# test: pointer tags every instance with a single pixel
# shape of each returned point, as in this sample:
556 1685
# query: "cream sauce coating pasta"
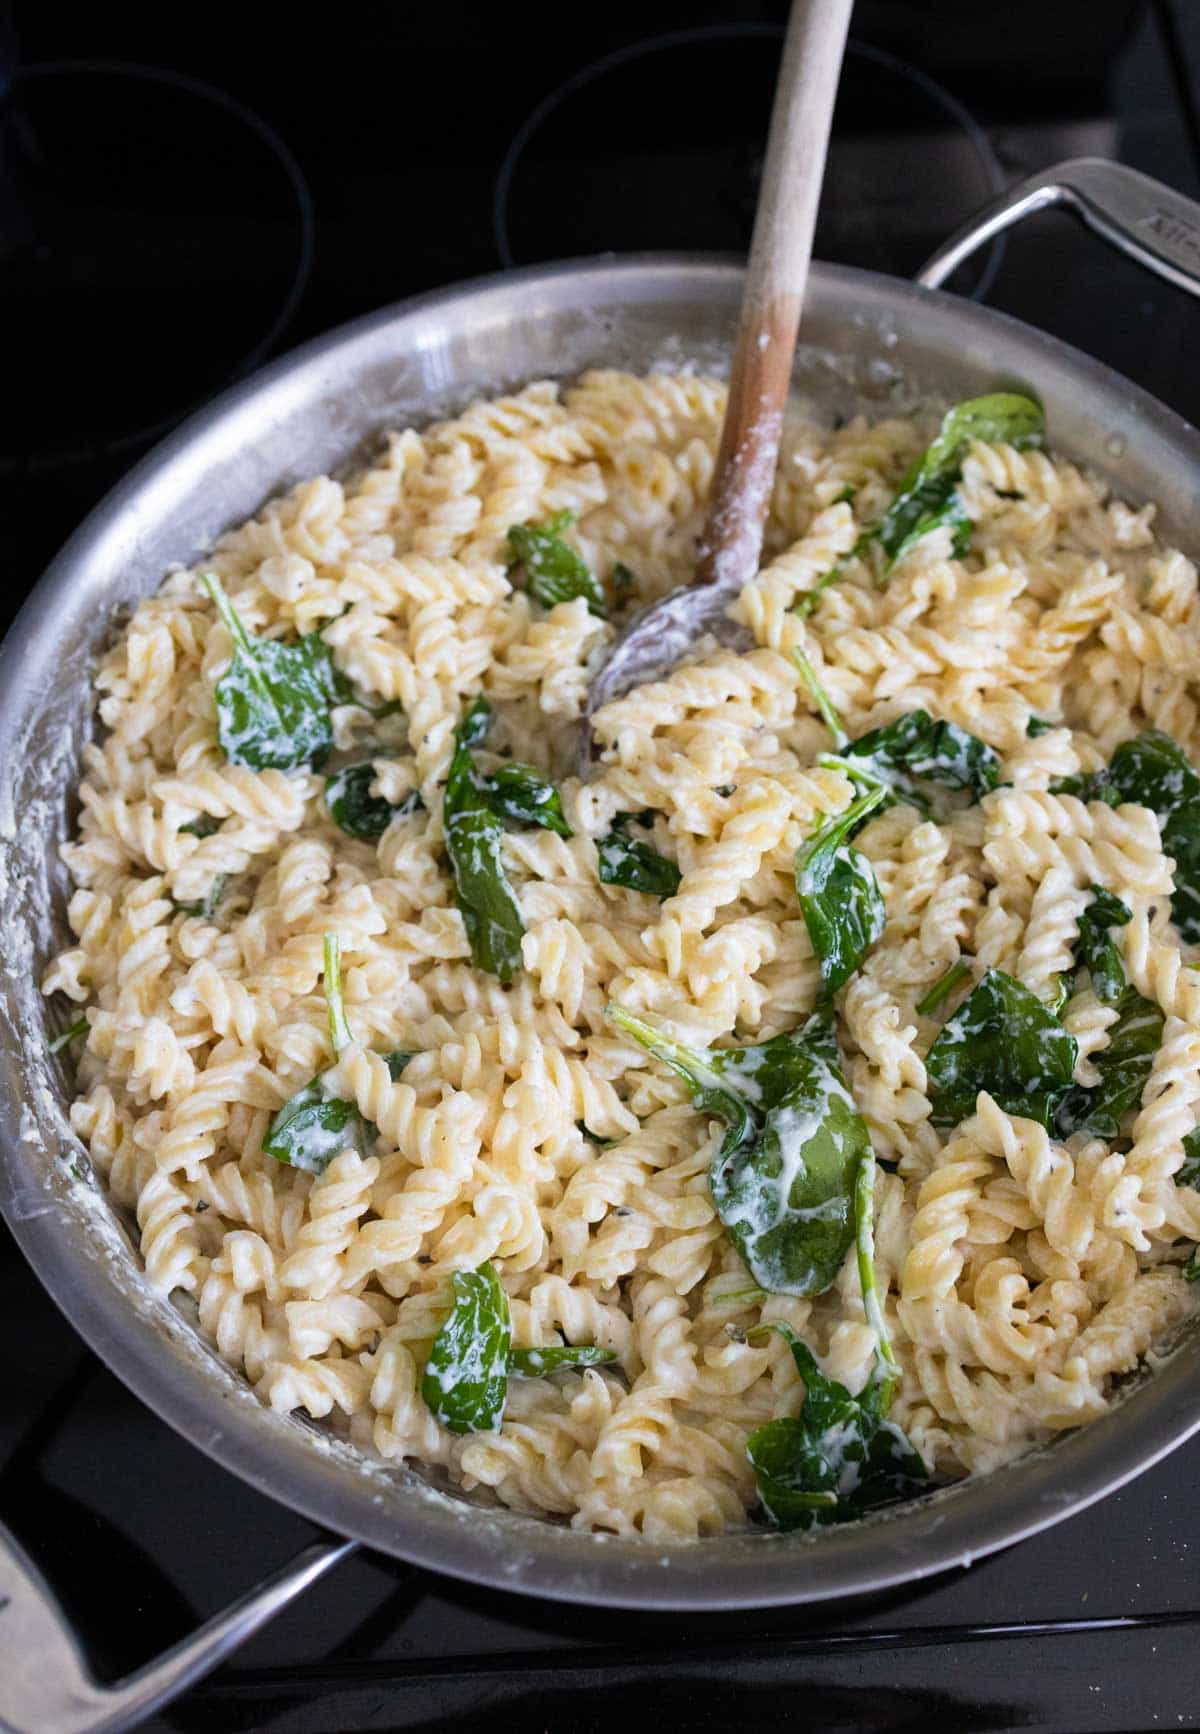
1020 1275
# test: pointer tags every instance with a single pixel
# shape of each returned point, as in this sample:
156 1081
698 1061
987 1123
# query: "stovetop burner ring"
990 175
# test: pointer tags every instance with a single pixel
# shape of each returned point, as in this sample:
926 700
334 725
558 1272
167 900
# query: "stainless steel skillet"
870 343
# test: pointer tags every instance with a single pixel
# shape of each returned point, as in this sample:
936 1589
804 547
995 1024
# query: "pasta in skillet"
469 1144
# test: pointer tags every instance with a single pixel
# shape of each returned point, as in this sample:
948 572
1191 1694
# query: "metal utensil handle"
46 1686
1153 224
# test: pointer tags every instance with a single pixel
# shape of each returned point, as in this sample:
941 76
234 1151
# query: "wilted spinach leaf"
465 1385
1088 786
920 508
839 894
633 865
312 1127
474 808
355 810
554 572
1038 725
474 833
204 826
1095 950
1154 771
1124 1065
841 1457
915 749
783 1178
536 1363
473 730
928 495
518 792
466 1375
274 700
902 755
1002 1039
1189 1173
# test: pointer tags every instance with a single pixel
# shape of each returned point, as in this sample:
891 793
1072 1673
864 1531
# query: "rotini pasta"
1021 1267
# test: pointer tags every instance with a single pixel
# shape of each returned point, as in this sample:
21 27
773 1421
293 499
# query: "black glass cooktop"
186 192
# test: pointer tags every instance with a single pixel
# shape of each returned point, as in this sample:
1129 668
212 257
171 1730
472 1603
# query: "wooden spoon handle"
774 292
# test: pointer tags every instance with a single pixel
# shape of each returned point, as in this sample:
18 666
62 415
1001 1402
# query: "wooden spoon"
762 361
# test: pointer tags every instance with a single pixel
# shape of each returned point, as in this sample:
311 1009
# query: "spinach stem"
340 1033
945 984
864 1235
236 627
70 1034
690 1063
807 601
754 1294
844 821
234 623
821 699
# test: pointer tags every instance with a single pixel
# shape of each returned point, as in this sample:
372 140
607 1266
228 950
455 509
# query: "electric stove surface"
182 198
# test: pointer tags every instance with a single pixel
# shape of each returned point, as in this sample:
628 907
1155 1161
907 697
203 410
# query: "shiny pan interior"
869 343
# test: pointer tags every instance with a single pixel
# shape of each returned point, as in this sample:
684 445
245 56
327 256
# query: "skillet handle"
1139 216
46 1686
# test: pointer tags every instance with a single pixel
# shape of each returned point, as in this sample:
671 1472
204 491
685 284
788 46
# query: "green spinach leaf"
554 572
355 810
1088 786
841 1457
915 749
274 700
1095 950
919 509
928 495
465 1384
783 1178
902 755
204 826
1002 1039
1189 1173
839 894
466 1375
475 726
1154 771
474 834
1124 1065
536 1363
1038 725
518 792
312 1127
633 865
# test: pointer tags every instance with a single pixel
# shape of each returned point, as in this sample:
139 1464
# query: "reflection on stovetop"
400 129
